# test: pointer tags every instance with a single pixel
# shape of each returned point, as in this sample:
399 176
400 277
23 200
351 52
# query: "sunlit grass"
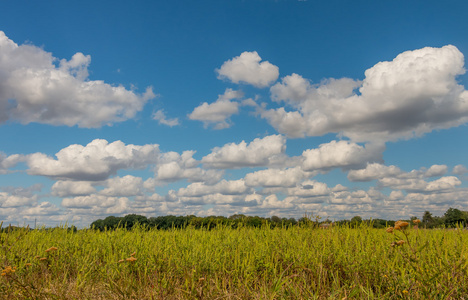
242 263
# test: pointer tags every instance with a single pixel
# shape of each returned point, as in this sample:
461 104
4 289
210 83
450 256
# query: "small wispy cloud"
160 116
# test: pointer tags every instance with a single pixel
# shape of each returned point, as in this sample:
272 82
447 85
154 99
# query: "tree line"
451 218
170 221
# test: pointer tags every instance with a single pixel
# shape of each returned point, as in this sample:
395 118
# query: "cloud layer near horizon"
85 178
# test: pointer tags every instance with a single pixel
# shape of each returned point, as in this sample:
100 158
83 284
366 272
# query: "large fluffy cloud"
99 160
247 68
414 94
34 89
259 152
95 161
341 154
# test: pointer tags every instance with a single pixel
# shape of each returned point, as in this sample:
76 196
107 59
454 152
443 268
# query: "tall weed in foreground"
434 262
243 263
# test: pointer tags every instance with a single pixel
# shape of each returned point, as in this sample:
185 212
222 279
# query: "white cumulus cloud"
414 94
96 161
224 187
67 188
34 89
7 162
413 181
126 186
173 166
310 189
443 183
219 112
436 170
341 154
7 200
374 171
247 68
459 170
160 116
276 177
259 152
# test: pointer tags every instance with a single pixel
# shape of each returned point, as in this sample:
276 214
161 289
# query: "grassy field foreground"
242 263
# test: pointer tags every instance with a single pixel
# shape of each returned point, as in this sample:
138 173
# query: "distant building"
326 225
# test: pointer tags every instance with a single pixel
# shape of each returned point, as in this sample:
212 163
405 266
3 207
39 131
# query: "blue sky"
259 107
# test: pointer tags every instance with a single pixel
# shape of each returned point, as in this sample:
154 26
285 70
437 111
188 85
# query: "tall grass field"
242 263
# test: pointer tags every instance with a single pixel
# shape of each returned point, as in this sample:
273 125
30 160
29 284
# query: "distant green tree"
427 219
379 223
465 214
237 216
196 222
130 220
161 222
170 221
112 222
275 219
98 224
356 220
438 221
454 216
254 221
